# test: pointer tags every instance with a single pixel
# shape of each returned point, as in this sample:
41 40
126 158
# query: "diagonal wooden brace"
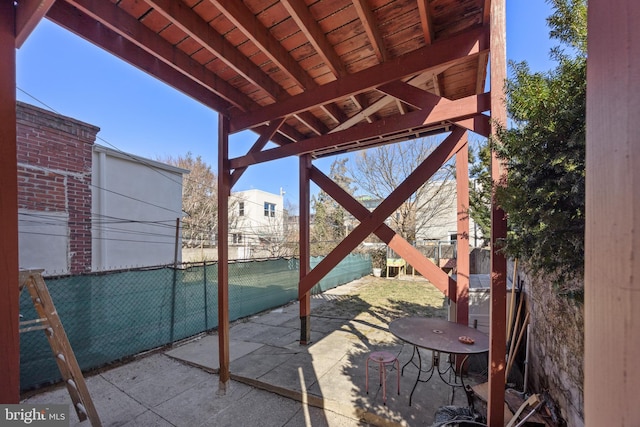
374 220
403 248
267 133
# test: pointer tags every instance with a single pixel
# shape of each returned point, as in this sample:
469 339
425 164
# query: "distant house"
433 217
83 207
257 225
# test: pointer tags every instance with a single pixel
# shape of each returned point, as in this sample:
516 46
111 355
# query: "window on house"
269 209
453 236
241 208
237 237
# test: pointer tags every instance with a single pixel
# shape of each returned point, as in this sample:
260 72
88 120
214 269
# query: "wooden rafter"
312 122
409 94
78 22
246 22
129 28
191 23
336 114
439 54
425 20
309 26
370 27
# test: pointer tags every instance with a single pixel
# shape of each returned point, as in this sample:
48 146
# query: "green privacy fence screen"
110 316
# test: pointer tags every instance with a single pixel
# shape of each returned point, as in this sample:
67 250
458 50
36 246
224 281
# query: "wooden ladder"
49 321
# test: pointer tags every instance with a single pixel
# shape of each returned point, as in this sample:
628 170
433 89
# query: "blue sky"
140 115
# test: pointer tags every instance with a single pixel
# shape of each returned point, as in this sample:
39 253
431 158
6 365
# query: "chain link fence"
110 316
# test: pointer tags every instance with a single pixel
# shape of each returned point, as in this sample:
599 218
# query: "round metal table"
439 336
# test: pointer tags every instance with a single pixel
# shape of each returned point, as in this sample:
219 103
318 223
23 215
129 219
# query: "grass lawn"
387 299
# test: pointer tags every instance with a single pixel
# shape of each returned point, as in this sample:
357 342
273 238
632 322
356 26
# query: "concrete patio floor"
275 380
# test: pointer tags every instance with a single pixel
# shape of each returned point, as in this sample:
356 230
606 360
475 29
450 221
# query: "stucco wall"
556 347
135 206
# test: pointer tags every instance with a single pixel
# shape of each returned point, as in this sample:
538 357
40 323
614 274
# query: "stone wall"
556 352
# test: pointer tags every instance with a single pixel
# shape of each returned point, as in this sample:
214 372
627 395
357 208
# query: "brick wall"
54 174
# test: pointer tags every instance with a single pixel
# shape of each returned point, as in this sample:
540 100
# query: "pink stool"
382 358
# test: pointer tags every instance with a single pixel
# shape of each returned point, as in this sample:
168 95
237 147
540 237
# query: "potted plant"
378 260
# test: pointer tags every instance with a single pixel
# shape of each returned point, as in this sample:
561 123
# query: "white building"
437 216
135 206
256 223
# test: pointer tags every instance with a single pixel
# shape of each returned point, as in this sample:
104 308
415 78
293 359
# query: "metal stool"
382 358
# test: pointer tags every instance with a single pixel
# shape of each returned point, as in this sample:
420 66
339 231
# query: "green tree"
199 199
480 189
544 151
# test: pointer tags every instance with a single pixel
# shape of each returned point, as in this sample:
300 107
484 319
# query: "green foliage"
480 189
544 151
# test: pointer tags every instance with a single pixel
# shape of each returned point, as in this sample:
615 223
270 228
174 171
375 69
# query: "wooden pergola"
315 77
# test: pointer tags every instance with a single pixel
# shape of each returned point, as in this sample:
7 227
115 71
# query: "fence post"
206 305
173 284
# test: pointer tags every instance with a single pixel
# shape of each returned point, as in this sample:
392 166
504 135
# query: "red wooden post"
612 241
9 309
462 260
305 250
224 190
498 307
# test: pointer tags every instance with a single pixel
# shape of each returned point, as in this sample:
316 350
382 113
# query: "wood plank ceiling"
314 76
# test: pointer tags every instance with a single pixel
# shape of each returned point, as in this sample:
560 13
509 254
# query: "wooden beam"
425 21
9 296
424 171
377 105
312 122
498 304
299 12
407 251
224 191
443 53
126 26
480 124
245 21
79 23
190 22
462 258
334 112
371 29
265 136
305 248
612 285
28 15
445 110
290 132
483 59
410 94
